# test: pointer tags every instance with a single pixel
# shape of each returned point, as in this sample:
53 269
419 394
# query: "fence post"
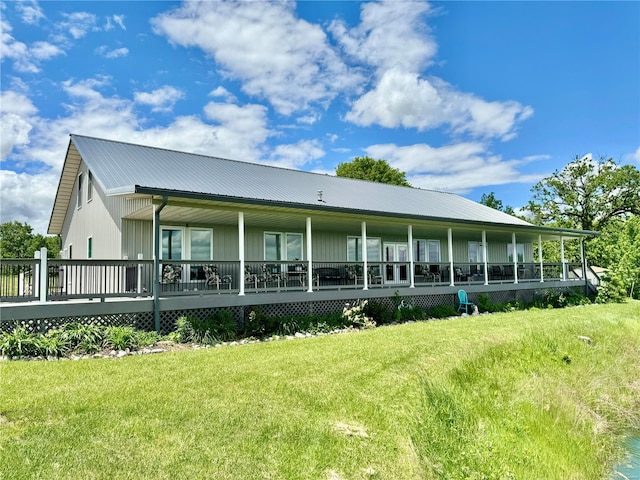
44 275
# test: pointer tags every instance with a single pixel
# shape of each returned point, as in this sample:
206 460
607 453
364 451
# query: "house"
244 231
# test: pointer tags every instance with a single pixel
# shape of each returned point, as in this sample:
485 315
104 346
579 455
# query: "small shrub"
355 314
220 327
379 312
19 343
406 312
443 311
83 338
120 338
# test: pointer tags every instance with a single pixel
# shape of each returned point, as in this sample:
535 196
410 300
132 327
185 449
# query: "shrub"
356 316
443 311
20 343
84 338
379 312
120 338
220 327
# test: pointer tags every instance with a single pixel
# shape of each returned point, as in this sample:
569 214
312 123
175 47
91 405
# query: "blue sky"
469 97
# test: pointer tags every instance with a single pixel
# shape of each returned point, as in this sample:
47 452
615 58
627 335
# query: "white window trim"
89 186
79 198
186 240
426 249
518 246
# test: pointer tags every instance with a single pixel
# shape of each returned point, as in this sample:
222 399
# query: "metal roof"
124 168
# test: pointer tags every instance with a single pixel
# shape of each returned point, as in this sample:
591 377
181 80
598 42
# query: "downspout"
583 255
156 262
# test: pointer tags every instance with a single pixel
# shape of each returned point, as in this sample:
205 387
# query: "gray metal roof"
122 168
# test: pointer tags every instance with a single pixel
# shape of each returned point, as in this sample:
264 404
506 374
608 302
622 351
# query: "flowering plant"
171 273
355 314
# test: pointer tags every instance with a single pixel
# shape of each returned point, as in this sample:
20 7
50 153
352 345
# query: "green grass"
513 395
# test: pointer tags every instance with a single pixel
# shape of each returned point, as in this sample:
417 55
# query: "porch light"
320 195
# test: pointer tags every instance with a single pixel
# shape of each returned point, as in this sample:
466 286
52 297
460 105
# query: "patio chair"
464 302
271 273
250 277
212 278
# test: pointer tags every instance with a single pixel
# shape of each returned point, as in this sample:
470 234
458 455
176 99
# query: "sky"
465 97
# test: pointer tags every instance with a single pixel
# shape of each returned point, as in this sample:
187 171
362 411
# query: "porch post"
540 258
241 252
411 269
583 261
484 256
562 260
450 246
365 273
515 257
156 263
44 274
309 257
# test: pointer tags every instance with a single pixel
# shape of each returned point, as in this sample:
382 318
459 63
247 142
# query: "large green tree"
586 194
367 168
490 200
17 240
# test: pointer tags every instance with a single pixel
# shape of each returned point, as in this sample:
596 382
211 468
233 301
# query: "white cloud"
30 12
457 168
162 99
222 92
633 156
45 50
27 198
16 119
78 24
402 99
297 154
391 34
118 19
276 56
115 53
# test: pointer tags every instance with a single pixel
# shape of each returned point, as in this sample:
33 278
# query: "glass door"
397 272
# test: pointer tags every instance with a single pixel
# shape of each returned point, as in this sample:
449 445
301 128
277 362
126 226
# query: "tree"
587 194
366 168
17 240
490 200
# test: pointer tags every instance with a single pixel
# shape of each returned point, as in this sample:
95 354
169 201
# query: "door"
397 272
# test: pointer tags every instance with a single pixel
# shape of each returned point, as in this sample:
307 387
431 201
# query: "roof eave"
327 208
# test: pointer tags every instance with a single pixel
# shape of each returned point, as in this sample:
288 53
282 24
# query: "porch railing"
20 279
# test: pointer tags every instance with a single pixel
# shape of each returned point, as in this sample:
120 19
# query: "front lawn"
528 394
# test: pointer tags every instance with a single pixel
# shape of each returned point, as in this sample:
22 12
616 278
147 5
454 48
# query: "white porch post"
43 274
411 269
365 273
540 258
450 247
484 257
241 251
562 260
515 257
309 257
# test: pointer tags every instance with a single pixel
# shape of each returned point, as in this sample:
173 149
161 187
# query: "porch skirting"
41 317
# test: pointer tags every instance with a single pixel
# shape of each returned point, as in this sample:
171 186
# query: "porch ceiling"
205 213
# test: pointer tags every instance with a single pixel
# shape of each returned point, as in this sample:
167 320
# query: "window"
171 244
90 247
354 249
476 252
200 248
89 187
426 251
79 200
283 246
519 249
